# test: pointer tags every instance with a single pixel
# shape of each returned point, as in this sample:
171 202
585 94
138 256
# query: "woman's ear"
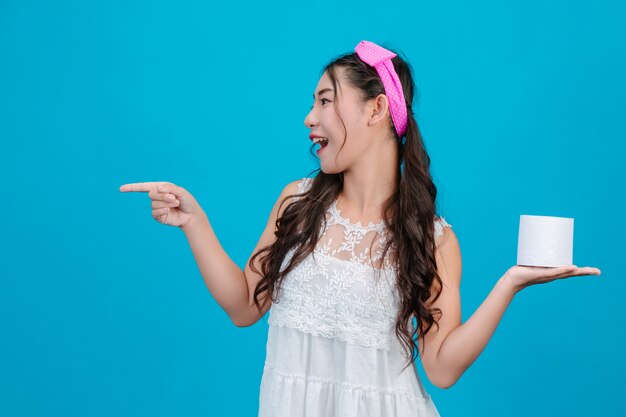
378 109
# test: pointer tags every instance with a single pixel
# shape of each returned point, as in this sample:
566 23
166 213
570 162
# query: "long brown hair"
408 213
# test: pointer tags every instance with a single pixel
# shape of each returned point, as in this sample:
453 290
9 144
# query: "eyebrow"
322 91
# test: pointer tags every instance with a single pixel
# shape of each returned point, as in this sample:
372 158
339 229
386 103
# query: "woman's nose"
309 120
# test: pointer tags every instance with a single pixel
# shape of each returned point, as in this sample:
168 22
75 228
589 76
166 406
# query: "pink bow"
380 58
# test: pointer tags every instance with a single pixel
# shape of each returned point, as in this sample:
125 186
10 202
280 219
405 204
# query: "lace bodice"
344 289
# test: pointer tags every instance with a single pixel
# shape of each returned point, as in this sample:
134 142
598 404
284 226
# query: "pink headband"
380 58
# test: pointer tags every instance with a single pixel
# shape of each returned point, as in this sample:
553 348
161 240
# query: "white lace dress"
331 347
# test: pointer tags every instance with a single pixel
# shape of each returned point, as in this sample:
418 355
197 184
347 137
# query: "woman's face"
324 121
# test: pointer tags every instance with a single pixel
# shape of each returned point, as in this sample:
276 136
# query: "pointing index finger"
139 186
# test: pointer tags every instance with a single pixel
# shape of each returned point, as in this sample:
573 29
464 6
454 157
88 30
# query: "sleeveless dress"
331 348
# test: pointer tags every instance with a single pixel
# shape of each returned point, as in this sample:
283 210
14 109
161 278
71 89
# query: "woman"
355 263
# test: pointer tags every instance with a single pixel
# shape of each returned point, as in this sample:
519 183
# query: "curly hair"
408 213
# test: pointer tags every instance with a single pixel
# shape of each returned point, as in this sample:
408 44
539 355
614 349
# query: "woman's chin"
329 169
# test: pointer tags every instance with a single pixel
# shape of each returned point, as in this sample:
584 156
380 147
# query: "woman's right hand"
171 204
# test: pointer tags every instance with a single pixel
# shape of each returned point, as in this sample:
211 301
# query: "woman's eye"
322 100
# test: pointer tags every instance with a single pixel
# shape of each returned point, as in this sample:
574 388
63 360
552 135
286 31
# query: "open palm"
523 276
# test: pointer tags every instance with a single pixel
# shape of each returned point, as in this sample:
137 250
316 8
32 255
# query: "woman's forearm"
465 343
223 277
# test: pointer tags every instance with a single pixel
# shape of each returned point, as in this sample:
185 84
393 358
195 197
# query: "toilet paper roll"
545 241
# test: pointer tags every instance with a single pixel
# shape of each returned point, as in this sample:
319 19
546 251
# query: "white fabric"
331 348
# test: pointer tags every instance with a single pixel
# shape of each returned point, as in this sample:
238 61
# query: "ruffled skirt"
314 376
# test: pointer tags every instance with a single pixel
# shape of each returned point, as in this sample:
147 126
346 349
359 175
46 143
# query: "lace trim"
304 184
355 336
346 386
371 226
440 223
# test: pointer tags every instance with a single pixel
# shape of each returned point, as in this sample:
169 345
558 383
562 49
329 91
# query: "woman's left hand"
523 276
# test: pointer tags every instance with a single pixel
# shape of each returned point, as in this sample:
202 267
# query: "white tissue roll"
545 241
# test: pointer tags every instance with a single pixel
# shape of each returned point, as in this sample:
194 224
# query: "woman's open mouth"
323 142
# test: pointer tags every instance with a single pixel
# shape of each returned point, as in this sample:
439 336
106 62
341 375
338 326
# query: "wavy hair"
408 213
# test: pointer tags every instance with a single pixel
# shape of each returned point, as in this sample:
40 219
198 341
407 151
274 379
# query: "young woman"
357 270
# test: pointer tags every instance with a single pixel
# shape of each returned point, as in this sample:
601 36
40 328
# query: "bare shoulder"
283 200
292 188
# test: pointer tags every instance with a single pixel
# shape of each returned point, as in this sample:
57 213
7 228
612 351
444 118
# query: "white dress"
331 347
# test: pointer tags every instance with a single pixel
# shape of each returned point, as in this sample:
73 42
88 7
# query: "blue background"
103 311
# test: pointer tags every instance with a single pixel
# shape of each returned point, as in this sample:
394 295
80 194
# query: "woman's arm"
449 351
224 278
464 344
232 287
